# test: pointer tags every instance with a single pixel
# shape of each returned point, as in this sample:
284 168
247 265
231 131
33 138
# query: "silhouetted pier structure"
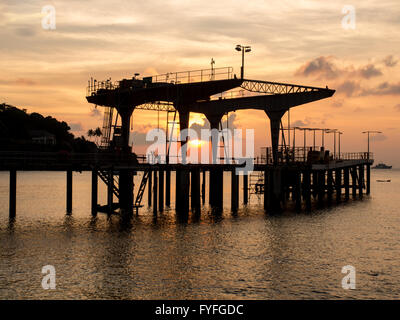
301 183
300 175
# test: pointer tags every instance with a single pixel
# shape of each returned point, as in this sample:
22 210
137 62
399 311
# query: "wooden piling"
182 192
110 193
13 194
161 190
195 190
346 183
297 191
216 188
234 191
315 184
329 186
203 188
307 189
69 191
338 185
321 187
149 188
245 188
368 179
155 192
267 191
360 180
168 187
354 181
94 192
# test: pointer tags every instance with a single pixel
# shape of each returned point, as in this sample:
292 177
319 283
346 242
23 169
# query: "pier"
288 176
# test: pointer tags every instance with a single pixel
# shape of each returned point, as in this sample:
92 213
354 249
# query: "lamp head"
238 47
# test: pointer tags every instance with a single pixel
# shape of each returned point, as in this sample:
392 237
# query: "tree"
96 133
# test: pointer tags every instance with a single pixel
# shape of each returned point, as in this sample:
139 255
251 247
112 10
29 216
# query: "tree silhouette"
96 133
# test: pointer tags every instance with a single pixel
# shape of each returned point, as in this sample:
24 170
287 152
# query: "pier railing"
309 155
55 160
224 73
191 76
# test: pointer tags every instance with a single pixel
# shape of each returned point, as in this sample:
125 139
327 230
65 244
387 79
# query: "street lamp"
339 133
304 138
243 49
334 140
368 132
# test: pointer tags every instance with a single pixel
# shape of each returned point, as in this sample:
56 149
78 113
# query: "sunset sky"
300 42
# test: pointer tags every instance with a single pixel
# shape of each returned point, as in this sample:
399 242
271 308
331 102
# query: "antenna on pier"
212 69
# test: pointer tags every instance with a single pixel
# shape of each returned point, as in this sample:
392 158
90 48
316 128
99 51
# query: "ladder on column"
256 183
142 187
103 174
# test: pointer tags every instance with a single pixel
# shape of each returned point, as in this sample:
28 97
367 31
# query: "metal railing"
94 86
59 159
224 73
311 155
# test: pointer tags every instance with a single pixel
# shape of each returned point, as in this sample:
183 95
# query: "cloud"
338 103
385 88
397 107
25 32
378 137
348 88
95 113
390 61
139 138
77 126
322 67
369 71
298 123
327 68
18 82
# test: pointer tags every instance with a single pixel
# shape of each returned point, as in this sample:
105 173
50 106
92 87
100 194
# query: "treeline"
17 128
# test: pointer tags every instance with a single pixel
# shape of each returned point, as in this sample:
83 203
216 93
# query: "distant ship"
382 166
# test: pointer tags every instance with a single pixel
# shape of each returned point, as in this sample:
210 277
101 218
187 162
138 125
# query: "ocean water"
248 255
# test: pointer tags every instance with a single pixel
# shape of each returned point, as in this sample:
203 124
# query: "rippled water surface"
250 255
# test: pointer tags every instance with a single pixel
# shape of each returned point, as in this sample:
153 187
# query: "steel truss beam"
268 87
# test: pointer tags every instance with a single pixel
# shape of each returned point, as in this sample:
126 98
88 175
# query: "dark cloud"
326 68
369 71
321 67
298 123
385 88
76 126
390 61
348 88
338 103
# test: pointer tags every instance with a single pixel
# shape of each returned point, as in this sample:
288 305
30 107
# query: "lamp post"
339 133
334 140
368 132
304 138
243 49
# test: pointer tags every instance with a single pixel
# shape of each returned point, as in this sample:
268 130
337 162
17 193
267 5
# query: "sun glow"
196 143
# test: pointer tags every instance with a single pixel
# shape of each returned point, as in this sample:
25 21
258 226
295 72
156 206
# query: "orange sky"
300 42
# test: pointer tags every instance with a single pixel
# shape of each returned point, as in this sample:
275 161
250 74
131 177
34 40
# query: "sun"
196 143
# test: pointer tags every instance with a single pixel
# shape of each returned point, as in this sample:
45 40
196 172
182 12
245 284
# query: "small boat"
387 180
382 166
